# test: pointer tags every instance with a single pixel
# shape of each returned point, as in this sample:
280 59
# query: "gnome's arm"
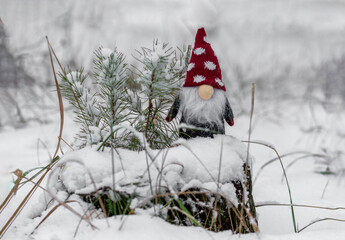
173 110
228 115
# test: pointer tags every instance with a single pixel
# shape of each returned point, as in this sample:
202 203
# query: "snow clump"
190 164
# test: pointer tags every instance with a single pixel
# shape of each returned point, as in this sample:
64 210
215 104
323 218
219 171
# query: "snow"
190 164
156 55
107 52
181 173
147 227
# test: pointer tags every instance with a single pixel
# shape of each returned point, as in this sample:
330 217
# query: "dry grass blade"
253 223
19 174
64 204
61 150
285 176
59 96
247 158
11 194
67 144
250 124
39 141
49 213
23 203
51 50
94 185
299 205
6 201
304 157
87 217
220 163
30 180
189 216
325 188
276 159
57 59
34 188
206 191
321 220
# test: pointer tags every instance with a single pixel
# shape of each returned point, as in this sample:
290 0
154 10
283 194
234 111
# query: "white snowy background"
293 50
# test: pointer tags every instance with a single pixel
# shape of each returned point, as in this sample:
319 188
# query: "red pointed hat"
203 67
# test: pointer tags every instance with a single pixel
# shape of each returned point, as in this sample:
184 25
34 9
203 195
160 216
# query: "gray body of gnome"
201 129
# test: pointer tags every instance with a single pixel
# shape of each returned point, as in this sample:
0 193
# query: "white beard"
196 109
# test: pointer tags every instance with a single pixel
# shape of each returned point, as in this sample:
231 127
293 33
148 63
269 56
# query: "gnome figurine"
202 101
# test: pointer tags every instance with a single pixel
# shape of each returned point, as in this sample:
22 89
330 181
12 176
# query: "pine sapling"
111 76
84 103
160 79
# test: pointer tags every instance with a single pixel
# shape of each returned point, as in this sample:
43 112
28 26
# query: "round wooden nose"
206 91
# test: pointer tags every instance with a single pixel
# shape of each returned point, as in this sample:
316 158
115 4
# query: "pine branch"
111 76
160 77
73 90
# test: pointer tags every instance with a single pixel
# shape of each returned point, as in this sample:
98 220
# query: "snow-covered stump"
201 182
215 186
214 210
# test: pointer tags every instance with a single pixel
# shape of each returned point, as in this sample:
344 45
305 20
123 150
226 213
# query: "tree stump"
213 210
190 184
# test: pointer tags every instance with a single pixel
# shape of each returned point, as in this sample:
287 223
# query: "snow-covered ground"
277 44
19 150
